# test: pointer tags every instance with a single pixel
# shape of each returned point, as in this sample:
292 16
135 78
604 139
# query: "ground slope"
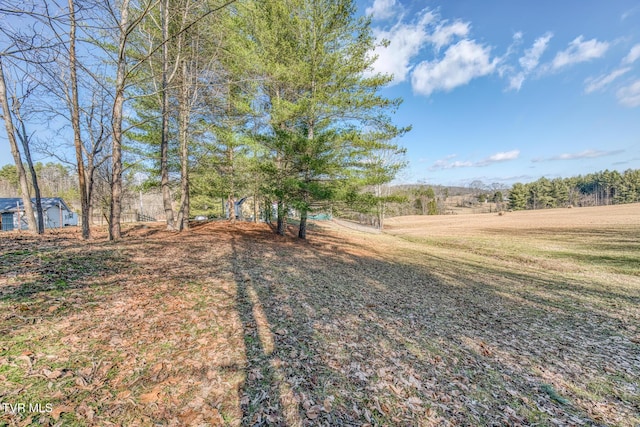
487 324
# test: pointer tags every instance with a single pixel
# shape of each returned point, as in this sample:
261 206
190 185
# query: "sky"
506 91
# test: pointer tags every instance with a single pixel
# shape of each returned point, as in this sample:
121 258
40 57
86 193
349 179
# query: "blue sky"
512 90
509 90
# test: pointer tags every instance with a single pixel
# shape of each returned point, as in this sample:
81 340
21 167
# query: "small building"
55 211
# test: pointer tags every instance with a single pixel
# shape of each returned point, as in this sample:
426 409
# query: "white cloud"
405 42
586 154
629 13
579 51
528 62
599 83
443 164
517 40
446 163
503 156
462 62
532 55
515 81
629 96
382 9
633 55
444 34
407 39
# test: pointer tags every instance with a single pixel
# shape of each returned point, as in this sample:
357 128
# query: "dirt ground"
525 319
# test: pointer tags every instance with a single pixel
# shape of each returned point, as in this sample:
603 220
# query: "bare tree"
24 137
27 44
74 106
125 26
13 143
57 69
381 167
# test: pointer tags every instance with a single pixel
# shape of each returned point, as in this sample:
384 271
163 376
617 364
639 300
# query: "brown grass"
590 217
525 319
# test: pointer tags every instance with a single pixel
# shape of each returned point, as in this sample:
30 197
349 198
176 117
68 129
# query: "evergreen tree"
326 117
518 197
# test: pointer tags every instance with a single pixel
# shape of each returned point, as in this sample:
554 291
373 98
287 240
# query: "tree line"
54 180
595 189
275 100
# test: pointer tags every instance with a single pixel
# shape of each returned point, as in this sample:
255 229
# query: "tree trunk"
183 214
164 139
302 231
22 134
115 231
230 204
255 206
75 123
282 218
90 175
268 211
380 214
230 208
11 135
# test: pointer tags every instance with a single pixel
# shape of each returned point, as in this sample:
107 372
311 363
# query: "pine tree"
326 118
518 197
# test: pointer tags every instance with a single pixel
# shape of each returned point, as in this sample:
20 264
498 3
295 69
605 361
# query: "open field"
532 318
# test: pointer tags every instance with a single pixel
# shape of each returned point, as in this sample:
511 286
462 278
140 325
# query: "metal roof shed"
56 213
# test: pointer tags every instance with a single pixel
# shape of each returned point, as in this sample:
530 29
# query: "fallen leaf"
156 368
124 394
55 414
327 404
52 375
86 411
86 372
384 408
187 417
313 412
27 359
152 396
414 401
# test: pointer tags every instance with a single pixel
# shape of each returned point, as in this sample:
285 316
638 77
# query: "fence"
125 217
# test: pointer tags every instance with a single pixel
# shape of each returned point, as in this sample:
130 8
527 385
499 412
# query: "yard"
531 318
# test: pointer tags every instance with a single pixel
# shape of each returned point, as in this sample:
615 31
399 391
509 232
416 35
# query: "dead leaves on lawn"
230 325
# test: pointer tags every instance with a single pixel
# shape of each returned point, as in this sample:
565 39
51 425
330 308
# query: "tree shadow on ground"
358 339
332 332
34 271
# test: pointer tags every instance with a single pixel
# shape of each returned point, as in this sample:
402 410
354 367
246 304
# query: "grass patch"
230 325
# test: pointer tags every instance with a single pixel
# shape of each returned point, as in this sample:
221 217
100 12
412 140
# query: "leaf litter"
231 325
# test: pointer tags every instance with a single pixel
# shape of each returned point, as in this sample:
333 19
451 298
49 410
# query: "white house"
55 211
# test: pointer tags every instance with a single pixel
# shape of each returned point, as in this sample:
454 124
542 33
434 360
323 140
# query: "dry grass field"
531 318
